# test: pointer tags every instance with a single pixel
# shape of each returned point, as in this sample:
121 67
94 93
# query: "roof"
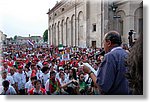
57 6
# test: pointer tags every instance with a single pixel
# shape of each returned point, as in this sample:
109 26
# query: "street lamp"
115 16
114 7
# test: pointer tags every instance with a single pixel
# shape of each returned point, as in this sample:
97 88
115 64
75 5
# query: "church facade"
83 23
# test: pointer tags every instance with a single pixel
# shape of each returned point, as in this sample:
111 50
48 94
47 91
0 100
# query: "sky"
24 17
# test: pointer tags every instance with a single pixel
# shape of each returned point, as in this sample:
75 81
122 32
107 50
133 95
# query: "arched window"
138 21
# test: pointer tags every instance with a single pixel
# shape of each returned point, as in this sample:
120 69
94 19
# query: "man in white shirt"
12 73
31 84
27 86
39 72
20 81
4 77
45 76
7 89
5 67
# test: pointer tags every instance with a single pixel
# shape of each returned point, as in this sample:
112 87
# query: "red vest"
31 92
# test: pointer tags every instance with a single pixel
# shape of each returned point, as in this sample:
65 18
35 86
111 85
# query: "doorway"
94 44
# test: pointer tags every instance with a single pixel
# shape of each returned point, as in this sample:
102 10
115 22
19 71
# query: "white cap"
61 68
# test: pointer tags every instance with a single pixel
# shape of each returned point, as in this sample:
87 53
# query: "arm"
65 85
93 77
86 69
13 91
47 87
16 87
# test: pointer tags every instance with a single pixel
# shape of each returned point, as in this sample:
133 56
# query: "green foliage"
15 37
45 36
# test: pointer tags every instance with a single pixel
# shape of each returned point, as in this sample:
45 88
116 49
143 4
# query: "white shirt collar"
115 48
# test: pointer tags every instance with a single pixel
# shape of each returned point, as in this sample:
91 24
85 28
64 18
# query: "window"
62 9
94 28
55 14
140 26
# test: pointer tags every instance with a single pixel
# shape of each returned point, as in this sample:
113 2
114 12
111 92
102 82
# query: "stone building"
23 40
84 22
2 37
127 15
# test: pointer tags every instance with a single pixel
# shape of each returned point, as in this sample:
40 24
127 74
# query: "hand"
86 69
73 80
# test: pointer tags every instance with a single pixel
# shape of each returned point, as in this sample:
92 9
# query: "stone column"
62 31
77 32
52 38
69 33
104 19
99 37
129 20
87 22
48 35
64 34
60 34
73 31
129 25
56 34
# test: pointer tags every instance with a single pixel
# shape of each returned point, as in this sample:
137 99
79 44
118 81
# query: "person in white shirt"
4 77
7 89
37 90
52 85
39 72
27 72
45 76
27 86
40 61
66 71
20 81
6 67
12 73
64 82
61 69
31 85
62 79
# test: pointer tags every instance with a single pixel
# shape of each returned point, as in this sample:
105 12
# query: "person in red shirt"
37 90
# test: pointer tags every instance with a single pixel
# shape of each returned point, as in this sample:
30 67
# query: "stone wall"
72 22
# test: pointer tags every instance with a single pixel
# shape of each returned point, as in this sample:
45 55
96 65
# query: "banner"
65 57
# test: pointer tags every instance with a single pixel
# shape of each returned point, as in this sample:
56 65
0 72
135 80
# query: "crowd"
31 70
49 70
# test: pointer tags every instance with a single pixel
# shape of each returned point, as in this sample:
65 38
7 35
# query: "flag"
16 65
30 43
60 47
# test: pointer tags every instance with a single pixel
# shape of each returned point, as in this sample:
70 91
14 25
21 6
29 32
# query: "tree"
15 37
45 36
